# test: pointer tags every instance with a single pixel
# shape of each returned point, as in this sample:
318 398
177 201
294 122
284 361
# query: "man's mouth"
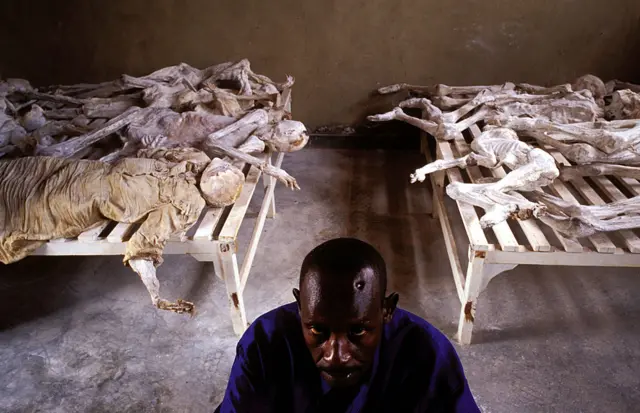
339 375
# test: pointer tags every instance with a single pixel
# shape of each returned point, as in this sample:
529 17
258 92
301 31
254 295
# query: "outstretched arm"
440 165
398 114
271 170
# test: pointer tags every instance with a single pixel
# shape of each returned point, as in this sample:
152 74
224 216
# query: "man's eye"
317 331
358 331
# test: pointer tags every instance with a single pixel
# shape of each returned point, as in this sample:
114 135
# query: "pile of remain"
225 110
43 198
592 124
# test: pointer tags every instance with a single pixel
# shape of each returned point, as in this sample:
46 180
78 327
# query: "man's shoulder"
425 367
273 326
412 332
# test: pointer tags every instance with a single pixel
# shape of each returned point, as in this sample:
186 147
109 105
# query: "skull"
288 136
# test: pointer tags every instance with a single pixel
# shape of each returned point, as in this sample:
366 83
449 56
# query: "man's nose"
337 350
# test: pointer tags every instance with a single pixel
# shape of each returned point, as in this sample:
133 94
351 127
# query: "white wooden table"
508 244
212 238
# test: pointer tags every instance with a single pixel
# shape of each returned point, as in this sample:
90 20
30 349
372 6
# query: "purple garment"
416 369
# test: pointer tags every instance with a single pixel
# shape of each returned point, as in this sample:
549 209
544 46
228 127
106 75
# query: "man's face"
342 322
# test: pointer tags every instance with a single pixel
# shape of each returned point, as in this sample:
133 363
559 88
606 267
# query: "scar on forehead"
365 277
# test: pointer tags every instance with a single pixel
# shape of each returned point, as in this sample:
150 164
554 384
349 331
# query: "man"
344 347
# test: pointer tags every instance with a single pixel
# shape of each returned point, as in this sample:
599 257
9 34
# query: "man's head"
343 308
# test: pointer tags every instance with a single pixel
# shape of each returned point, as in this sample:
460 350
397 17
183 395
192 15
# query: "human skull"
288 136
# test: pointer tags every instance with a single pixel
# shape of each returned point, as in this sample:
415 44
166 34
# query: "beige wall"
338 50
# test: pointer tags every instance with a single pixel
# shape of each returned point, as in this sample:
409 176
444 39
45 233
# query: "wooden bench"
503 247
213 238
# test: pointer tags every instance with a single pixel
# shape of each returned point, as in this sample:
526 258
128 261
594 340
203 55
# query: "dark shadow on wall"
620 59
339 51
631 70
46 42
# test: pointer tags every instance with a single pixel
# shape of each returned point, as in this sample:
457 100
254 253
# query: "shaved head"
346 261
343 307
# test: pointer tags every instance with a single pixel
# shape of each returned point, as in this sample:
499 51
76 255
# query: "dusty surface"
339 51
79 334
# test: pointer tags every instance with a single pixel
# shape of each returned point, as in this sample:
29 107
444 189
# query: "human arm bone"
214 147
440 165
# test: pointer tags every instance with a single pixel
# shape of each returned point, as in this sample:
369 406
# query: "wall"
338 50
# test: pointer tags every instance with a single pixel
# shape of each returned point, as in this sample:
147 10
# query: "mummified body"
44 198
531 168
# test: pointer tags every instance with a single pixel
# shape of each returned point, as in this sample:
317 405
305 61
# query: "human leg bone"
542 90
449 103
540 170
72 146
252 145
609 137
257 118
568 173
498 205
441 125
584 220
444 90
147 272
607 141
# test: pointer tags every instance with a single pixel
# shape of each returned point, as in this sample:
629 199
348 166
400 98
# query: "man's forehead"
330 294
365 283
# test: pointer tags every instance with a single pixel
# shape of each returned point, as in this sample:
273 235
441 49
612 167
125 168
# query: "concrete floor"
80 335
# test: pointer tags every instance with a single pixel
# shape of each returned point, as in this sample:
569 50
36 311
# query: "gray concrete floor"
80 335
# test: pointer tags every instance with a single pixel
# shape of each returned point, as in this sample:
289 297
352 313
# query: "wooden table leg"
479 273
473 282
227 265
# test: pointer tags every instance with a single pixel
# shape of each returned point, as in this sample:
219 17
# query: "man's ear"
389 306
296 294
